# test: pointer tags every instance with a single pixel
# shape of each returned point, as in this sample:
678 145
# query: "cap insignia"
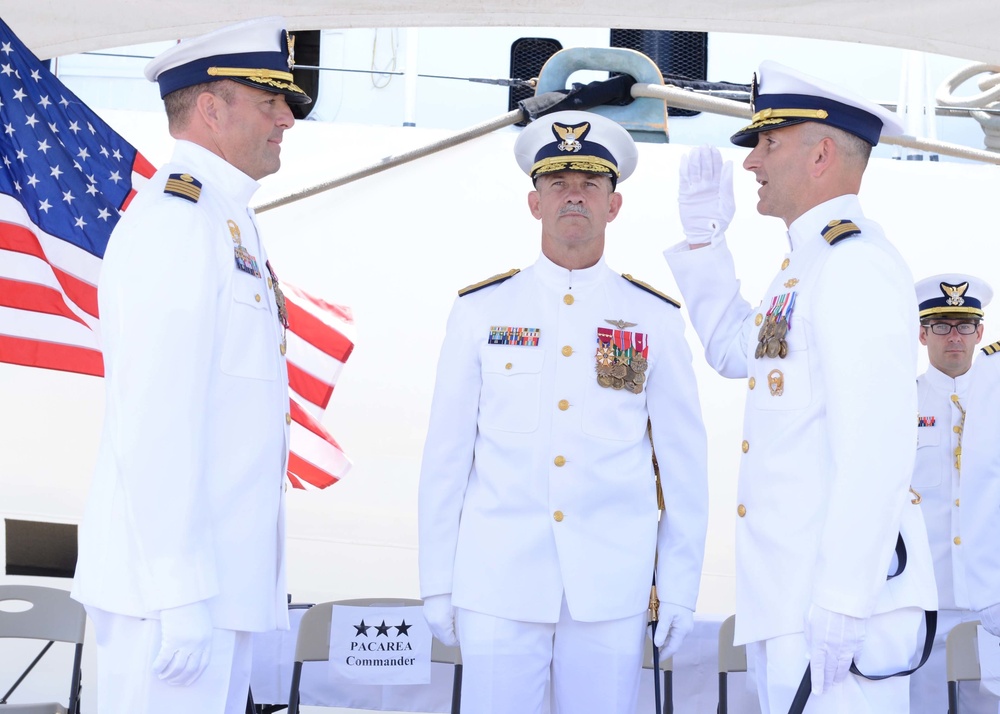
571 135
954 293
290 40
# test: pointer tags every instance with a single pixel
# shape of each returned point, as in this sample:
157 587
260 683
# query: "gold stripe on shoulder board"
837 230
992 349
489 281
650 289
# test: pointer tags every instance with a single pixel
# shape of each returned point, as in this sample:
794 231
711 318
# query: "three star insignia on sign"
401 629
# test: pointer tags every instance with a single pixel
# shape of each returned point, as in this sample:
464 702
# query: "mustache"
574 208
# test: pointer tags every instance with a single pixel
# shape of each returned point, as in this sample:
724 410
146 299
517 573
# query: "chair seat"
41 708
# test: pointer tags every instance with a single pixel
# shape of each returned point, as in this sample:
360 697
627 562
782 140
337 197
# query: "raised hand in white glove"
440 616
989 618
832 640
675 622
185 644
705 197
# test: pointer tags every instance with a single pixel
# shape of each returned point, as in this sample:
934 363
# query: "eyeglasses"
943 328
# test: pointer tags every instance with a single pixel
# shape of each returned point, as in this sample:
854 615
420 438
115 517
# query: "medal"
621 359
777 323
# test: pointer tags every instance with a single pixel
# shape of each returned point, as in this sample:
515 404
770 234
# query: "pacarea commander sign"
380 645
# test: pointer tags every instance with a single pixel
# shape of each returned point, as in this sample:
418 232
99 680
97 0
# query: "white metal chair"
55 617
667 669
731 659
962 658
313 645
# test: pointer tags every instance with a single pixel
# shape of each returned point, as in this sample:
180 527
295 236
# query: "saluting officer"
829 431
951 313
182 543
538 506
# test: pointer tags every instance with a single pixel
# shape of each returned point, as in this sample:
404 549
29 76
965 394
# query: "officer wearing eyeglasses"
951 311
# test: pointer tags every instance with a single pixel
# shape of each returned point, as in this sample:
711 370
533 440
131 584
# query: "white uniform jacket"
829 431
980 487
936 478
536 480
187 501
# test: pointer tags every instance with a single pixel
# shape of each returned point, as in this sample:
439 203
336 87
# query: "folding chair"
667 667
53 616
731 659
962 658
313 645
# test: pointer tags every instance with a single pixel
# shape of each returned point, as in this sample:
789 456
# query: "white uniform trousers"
929 684
126 648
891 645
508 667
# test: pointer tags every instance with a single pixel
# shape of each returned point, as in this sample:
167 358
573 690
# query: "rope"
689 100
389 162
981 106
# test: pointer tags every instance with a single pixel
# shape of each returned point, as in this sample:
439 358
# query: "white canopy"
961 28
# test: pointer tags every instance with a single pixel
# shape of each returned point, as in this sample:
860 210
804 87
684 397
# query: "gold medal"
772 348
604 380
639 378
619 371
617 383
783 349
639 364
759 352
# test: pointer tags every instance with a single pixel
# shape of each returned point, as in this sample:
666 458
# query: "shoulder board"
838 230
992 349
185 186
496 279
650 289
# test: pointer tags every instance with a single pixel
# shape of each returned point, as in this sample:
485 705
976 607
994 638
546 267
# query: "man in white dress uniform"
951 310
980 490
182 544
829 358
538 501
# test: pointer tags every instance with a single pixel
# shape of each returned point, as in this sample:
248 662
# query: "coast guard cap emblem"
954 293
571 135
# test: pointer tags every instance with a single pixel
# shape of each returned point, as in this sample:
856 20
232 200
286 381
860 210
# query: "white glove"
832 640
440 616
675 622
989 618
185 644
705 196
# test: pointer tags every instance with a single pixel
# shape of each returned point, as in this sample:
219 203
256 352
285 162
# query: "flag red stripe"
36 298
19 239
142 167
342 313
310 388
293 480
49 355
317 333
309 473
304 418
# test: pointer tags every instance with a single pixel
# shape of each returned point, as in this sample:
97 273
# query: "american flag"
66 176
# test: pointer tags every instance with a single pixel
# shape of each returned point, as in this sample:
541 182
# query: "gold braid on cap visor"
272 77
587 164
789 114
951 309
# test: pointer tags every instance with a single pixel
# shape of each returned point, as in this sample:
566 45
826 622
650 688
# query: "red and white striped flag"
66 175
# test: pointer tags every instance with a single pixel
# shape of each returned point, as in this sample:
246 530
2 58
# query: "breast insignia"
496 279
992 349
838 230
185 186
650 289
